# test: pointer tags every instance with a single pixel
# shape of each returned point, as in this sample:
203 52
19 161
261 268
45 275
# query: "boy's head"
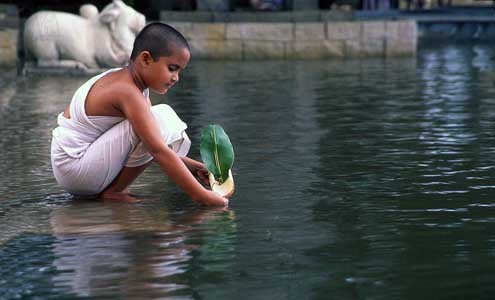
159 53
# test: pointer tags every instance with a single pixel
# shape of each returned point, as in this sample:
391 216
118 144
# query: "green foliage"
216 151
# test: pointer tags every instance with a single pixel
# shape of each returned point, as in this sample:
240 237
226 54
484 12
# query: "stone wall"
9 35
305 40
8 47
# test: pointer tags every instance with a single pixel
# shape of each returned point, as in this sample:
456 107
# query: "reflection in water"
355 179
105 249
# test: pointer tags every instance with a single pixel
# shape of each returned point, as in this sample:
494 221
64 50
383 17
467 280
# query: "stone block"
373 47
401 39
392 29
316 49
343 30
373 38
353 48
8 38
373 29
8 56
216 49
397 29
207 31
400 47
309 31
260 31
264 50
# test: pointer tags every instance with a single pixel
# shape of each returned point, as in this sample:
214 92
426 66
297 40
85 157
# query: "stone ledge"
316 49
343 30
309 31
260 31
263 50
216 49
31 69
8 47
300 40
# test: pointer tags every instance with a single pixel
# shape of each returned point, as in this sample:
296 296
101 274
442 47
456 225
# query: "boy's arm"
138 112
197 168
192 164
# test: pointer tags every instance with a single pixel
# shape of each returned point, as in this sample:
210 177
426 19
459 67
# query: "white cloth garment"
88 152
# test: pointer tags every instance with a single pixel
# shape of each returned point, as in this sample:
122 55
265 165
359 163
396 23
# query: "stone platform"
300 40
30 68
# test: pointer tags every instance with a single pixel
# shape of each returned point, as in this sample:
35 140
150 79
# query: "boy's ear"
146 57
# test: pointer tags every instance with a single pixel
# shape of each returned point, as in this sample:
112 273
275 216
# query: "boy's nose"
175 78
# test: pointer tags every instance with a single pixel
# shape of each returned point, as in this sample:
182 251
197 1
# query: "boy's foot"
128 192
124 196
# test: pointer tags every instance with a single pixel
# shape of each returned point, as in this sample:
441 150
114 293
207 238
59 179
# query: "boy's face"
163 73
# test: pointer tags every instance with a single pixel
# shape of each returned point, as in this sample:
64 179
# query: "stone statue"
91 40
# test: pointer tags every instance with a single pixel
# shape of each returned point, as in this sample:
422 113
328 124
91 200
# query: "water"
363 179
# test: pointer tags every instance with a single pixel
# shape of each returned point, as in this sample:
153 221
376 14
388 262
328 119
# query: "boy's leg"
112 162
118 189
104 169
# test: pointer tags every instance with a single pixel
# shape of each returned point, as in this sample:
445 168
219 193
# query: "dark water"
363 179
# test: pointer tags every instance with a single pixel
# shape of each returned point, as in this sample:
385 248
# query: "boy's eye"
173 68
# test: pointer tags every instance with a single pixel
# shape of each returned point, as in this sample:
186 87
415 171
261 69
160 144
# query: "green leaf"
216 151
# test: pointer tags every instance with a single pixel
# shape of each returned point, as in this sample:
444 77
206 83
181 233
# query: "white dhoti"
88 153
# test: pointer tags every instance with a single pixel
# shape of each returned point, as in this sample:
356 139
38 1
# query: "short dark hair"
159 39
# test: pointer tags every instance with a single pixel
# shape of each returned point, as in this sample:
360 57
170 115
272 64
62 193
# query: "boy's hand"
198 169
202 174
214 199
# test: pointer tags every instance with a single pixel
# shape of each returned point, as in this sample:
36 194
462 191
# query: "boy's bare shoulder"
111 94
127 93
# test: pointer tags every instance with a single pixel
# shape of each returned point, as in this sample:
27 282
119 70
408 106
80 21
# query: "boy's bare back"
105 96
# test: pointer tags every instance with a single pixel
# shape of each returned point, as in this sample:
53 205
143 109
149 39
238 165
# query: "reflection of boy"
110 132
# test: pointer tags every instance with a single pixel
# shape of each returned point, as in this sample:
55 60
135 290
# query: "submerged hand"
213 199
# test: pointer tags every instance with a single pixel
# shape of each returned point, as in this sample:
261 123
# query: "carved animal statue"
91 40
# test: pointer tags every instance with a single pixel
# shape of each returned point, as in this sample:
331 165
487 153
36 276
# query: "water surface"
369 179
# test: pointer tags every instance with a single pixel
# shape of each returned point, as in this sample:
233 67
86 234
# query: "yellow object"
225 189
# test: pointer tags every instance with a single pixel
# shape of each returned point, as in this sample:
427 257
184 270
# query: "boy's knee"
163 113
159 108
160 111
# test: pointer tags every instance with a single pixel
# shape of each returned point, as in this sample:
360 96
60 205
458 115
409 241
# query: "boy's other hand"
202 174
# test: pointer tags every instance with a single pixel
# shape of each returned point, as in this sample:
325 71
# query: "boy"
110 133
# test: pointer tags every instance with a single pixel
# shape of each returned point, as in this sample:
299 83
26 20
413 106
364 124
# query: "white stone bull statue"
91 40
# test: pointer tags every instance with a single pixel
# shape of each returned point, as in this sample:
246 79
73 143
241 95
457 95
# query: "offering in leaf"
218 155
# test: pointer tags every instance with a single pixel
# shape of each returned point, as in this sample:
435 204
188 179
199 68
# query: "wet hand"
214 199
